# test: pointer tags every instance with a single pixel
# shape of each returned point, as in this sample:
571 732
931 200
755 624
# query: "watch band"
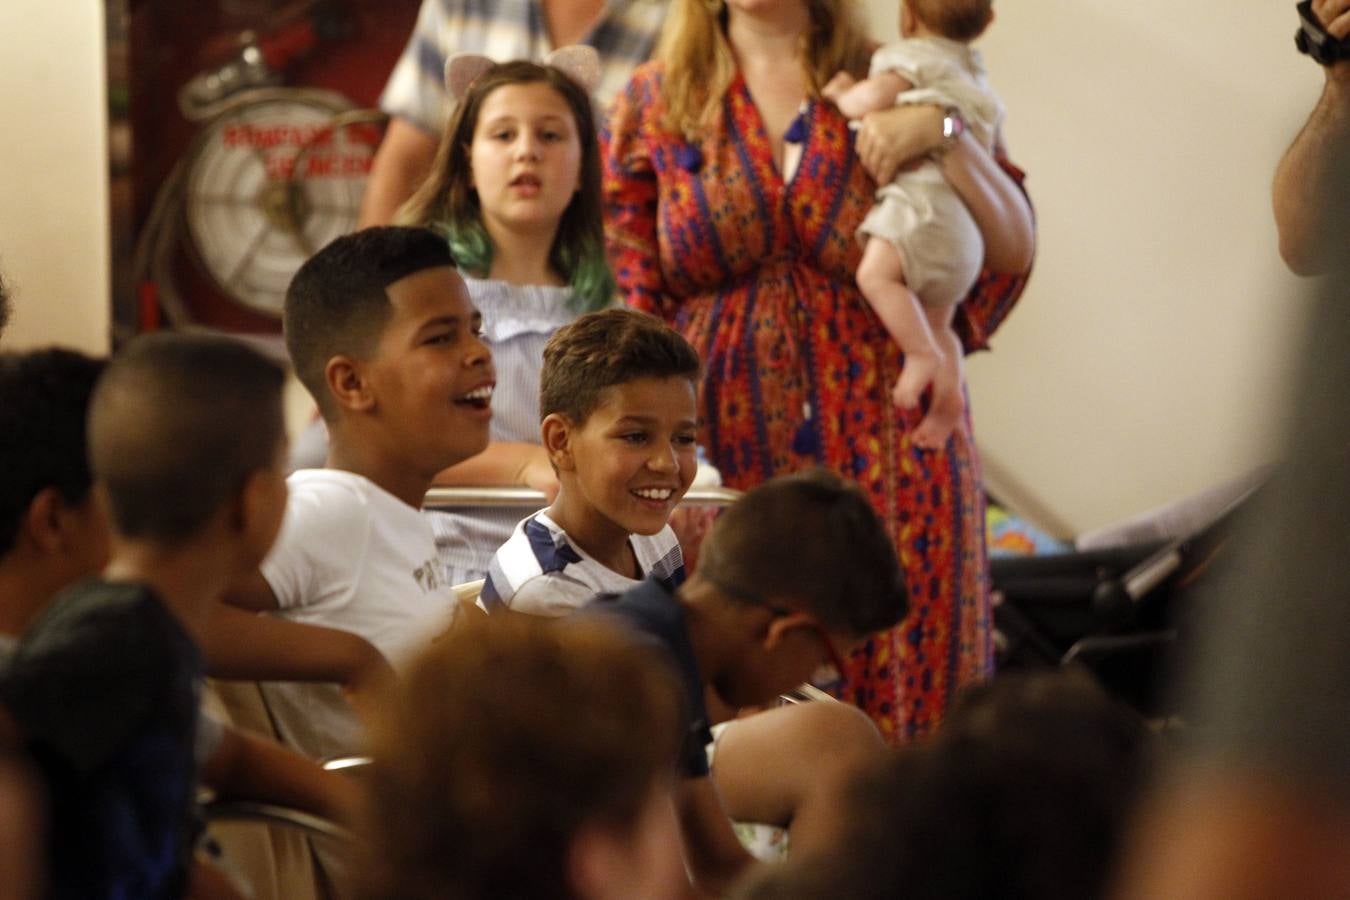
953 126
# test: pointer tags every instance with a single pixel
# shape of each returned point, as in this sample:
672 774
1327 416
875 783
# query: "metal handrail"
449 498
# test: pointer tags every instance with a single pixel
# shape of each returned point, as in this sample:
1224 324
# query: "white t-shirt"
351 556
540 571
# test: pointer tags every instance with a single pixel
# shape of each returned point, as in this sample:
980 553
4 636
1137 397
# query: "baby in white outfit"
922 248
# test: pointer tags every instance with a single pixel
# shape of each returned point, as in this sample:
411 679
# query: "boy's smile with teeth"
480 397
654 493
630 461
431 374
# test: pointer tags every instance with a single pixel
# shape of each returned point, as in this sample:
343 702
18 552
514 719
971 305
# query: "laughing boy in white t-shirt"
382 332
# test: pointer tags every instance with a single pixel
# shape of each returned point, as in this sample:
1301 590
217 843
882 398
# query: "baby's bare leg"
949 402
881 278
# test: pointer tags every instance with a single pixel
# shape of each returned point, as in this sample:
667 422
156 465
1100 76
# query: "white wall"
54 172
1147 356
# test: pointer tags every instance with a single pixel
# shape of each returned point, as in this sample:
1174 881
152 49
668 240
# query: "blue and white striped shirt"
542 572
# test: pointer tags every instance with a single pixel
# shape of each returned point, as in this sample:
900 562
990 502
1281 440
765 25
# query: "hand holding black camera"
1323 29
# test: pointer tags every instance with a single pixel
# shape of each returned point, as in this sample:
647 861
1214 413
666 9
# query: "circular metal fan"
271 179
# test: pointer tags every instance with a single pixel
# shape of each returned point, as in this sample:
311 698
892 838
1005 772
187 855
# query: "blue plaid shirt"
504 30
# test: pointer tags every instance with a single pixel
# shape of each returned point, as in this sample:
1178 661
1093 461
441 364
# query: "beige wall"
53 172
1147 356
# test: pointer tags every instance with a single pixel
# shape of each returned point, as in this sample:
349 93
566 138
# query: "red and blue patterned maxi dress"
758 275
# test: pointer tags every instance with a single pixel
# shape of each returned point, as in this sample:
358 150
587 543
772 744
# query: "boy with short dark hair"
52 529
802 566
54 532
792 577
617 386
102 687
382 332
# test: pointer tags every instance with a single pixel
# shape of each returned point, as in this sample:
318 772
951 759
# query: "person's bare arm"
895 137
1307 172
505 463
856 99
249 767
252 592
1000 209
713 853
401 164
244 645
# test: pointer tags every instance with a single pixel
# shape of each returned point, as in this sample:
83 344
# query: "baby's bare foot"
919 370
949 404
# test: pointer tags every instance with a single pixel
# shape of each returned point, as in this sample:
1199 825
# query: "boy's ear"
43 519
347 383
780 626
556 433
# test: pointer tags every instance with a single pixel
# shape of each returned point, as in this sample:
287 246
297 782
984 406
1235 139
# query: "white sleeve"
897 58
551 595
321 547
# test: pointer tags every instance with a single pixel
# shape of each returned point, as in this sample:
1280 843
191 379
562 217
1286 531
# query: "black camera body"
1313 39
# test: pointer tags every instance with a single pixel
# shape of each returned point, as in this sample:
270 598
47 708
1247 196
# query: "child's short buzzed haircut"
957 20
516 732
812 538
177 425
336 303
607 348
44 401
